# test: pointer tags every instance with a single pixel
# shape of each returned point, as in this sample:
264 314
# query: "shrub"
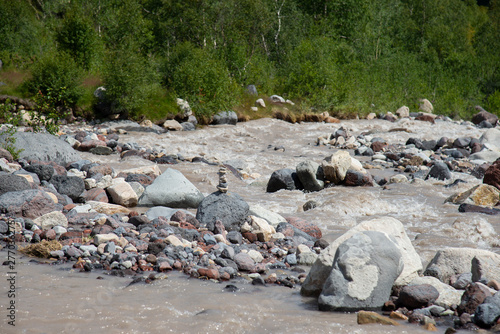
202 79
58 75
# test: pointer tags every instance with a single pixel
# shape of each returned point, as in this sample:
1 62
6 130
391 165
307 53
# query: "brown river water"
57 299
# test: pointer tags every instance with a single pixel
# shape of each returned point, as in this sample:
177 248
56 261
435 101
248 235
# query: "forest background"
347 57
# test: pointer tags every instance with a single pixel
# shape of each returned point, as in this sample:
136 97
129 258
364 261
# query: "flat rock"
271 217
171 189
44 147
107 208
51 219
364 270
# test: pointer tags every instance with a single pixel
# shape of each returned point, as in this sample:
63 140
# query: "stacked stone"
222 187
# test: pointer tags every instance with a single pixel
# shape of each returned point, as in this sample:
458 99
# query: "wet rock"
369 317
323 266
101 150
44 172
123 194
28 203
284 179
485 267
309 205
474 295
225 117
448 296
305 226
479 209
417 296
364 271
335 167
209 273
482 194
487 313
171 189
439 171
11 182
358 179
230 209
310 175
425 118
44 147
72 186
492 175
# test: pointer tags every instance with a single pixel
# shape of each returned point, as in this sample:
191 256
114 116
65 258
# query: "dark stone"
321 243
138 220
72 186
378 146
479 171
234 237
479 209
454 153
357 179
142 179
95 169
311 204
284 179
474 295
439 171
44 172
492 175
167 159
230 209
28 203
11 182
209 239
428 145
462 142
156 248
485 125
101 150
96 194
425 118
483 115
188 126
488 313
417 296
4 227
225 117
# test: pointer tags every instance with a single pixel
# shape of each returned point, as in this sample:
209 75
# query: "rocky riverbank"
142 222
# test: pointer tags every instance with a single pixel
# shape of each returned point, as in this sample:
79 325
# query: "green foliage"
129 80
77 37
51 109
200 78
56 75
12 120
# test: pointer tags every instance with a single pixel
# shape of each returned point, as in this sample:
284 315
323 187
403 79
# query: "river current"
57 299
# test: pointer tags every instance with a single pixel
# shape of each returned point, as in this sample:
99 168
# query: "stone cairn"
222 187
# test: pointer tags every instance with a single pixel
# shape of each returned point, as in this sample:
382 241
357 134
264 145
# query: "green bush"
199 77
129 80
58 75
77 37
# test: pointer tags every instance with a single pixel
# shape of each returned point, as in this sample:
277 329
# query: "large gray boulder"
44 147
72 186
30 203
171 189
310 175
452 261
225 117
229 208
320 270
364 270
11 182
